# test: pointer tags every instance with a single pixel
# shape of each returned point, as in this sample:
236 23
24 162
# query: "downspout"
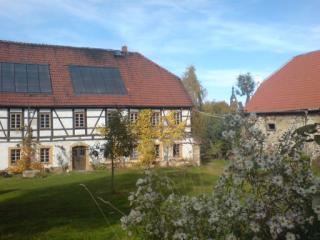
305 117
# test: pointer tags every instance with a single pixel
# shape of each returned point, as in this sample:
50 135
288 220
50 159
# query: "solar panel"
24 78
20 77
33 78
97 80
7 77
44 79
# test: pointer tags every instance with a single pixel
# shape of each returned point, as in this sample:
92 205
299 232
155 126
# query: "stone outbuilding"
289 98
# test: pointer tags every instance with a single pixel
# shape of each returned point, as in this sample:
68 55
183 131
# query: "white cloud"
171 32
227 77
188 27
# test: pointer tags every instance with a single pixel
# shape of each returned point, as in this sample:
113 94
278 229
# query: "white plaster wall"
187 151
4 152
3 112
67 145
67 142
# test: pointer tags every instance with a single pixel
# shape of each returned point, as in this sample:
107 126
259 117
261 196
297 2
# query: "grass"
57 207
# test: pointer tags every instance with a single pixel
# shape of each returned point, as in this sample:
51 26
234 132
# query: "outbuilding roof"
294 87
146 83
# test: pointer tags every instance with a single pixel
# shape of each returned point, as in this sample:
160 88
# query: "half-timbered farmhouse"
65 93
289 98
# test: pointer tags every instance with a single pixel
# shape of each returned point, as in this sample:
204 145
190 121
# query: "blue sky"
220 38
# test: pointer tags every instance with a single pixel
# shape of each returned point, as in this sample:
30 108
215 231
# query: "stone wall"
287 122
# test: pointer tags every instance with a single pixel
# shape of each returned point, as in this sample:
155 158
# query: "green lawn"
57 207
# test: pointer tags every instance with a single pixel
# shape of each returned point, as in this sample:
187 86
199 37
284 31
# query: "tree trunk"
112 175
167 155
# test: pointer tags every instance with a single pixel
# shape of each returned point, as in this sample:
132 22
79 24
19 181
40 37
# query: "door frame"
86 146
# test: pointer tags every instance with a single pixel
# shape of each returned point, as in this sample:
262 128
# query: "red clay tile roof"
294 87
148 84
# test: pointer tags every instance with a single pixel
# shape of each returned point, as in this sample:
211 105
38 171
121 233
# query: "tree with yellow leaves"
146 134
28 158
170 129
167 131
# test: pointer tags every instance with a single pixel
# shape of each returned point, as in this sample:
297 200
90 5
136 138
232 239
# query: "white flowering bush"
262 194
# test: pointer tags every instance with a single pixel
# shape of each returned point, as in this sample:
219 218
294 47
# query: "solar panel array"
97 80
24 78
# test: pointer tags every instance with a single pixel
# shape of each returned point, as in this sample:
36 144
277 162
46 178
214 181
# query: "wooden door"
79 158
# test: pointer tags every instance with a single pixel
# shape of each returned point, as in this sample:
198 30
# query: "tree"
211 126
262 194
120 142
245 85
169 131
29 148
193 87
146 134
197 94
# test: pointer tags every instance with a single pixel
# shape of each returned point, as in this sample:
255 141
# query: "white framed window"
45 119
79 119
133 117
15 154
155 119
134 154
44 155
110 113
178 117
15 120
176 150
157 150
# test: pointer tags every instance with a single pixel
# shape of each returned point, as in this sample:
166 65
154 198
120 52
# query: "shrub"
36 166
99 166
262 194
19 167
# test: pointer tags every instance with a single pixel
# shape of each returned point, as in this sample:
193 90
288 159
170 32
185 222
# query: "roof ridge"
307 53
58 46
286 63
268 78
292 87
147 83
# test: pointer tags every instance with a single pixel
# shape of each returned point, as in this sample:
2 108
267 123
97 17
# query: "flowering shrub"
262 194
